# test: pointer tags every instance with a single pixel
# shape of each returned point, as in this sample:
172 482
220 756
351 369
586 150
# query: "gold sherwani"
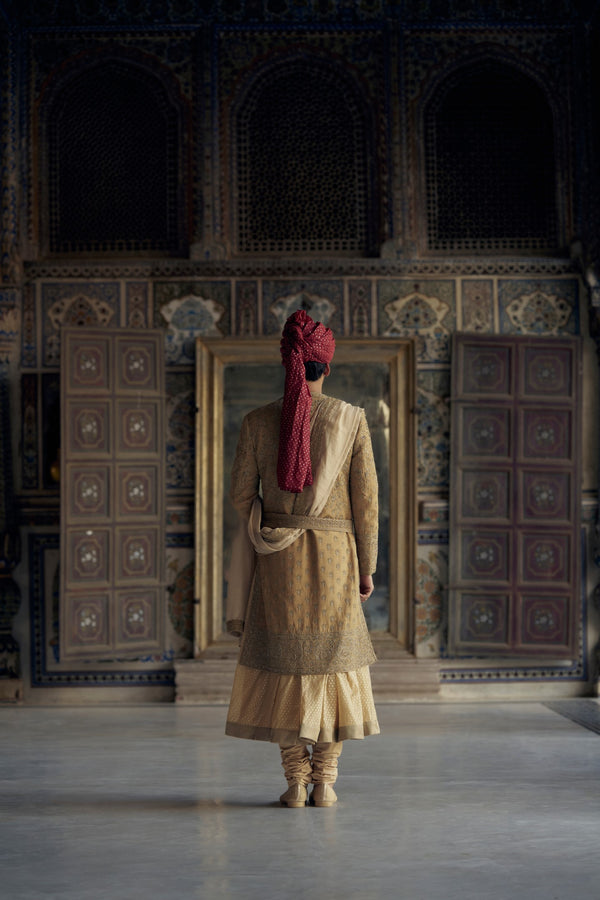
303 667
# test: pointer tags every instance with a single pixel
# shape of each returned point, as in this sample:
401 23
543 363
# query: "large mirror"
235 376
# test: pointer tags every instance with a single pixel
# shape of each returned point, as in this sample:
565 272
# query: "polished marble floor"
473 801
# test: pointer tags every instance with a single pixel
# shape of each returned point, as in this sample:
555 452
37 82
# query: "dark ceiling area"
42 14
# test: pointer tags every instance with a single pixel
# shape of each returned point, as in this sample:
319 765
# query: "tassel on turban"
303 340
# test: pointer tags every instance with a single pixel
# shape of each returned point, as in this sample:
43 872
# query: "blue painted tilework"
433 431
424 310
181 405
539 306
92 304
188 310
322 300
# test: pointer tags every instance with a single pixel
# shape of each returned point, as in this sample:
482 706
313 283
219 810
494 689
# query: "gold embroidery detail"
307 654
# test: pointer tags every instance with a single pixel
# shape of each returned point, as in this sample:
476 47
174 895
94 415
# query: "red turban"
303 340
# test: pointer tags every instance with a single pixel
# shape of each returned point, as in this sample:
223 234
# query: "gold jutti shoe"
323 795
295 796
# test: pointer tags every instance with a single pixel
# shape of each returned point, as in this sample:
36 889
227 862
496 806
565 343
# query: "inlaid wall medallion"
89 491
545 620
486 494
89 428
485 432
87 623
485 554
487 371
546 434
485 618
545 495
139 615
112 503
514 561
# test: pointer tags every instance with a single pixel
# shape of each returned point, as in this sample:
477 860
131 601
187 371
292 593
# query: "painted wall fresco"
428 311
203 52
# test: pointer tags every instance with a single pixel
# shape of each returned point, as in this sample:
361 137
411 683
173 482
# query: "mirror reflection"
246 387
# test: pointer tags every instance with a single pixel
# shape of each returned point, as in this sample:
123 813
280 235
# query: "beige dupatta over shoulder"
334 444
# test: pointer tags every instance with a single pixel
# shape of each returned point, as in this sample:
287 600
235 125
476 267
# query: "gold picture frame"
212 358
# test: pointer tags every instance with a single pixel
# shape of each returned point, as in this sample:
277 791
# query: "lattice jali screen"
113 163
515 497
302 167
112 493
491 179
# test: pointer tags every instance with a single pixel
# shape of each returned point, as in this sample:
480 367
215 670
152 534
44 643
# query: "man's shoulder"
335 404
263 414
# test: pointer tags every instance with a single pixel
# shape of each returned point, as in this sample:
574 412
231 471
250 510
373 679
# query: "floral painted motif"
321 309
189 317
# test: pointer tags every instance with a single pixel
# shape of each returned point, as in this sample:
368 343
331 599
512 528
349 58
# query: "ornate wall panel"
112 490
515 497
188 299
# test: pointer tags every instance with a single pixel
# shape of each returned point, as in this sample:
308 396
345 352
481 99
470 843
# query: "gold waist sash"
311 523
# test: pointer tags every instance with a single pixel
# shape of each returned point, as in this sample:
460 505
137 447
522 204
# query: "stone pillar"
594 320
10 550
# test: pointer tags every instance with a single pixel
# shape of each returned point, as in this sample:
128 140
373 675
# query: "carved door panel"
112 490
515 497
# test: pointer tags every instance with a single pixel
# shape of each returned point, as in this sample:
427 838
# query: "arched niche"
303 171
493 168
111 167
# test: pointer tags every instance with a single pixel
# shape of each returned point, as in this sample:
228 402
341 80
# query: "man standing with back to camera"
305 486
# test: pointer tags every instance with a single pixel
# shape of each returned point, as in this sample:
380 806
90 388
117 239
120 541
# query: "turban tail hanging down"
303 340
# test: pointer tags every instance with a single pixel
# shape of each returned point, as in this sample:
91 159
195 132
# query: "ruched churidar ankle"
296 763
325 763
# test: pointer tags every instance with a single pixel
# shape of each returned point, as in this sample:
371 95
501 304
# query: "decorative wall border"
296 268
469 13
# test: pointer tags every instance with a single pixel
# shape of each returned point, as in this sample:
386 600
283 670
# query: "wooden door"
112 493
515 497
